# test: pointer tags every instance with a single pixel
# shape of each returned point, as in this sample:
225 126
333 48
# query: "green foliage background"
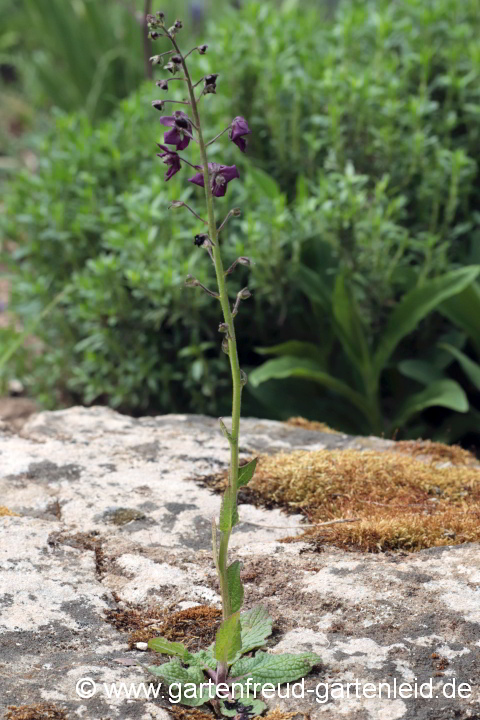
363 164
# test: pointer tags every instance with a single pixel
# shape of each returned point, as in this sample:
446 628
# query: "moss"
4 512
401 503
195 627
311 425
40 711
426 498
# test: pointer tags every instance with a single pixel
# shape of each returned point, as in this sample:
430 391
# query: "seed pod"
244 294
236 212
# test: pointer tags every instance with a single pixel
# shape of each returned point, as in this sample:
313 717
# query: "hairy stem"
222 560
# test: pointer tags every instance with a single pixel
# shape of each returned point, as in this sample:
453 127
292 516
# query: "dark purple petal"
197 179
219 190
174 137
238 130
229 172
170 158
168 120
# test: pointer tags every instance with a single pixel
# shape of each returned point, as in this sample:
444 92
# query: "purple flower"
170 158
238 130
181 129
219 175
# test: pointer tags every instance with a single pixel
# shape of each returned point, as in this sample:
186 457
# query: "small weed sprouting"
226 674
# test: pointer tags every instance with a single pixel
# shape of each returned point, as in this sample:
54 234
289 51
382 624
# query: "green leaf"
349 328
294 348
228 510
204 657
416 305
245 473
420 370
444 393
270 668
161 645
192 692
264 182
228 641
246 700
469 367
235 587
256 627
463 310
287 367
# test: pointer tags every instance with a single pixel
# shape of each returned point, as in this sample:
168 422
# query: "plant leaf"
416 305
228 641
270 668
349 328
228 510
420 370
294 348
469 367
235 587
245 473
463 310
256 627
246 700
161 645
445 393
287 367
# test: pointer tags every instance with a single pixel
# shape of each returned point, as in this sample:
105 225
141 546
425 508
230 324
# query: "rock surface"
130 485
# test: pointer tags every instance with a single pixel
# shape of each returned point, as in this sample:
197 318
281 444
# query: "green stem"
232 343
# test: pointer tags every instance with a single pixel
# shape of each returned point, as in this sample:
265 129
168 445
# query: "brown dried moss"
195 627
4 512
40 711
186 713
311 425
401 503
436 452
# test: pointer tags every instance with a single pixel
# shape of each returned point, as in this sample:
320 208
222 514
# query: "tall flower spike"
238 130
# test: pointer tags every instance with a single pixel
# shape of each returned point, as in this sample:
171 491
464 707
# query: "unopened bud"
201 239
176 59
244 294
202 49
176 204
210 83
178 24
160 15
158 104
190 281
243 378
150 18
172 30
172 67
223 328
162 84
244 261
156 60
154 35
236 212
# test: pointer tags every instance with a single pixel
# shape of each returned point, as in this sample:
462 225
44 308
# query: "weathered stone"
110 514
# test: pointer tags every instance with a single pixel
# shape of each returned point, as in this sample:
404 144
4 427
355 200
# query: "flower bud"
244 261
178 24
176 59
158 104
244 294
236 212
172 67
154 35
156 60
162 84
201 239
202 49
151 19
176 204
210 83
160 15
190 281
223 327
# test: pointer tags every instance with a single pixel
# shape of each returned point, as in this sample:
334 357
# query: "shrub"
362 161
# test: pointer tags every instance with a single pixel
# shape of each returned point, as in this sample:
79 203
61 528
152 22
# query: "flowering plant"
228 664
